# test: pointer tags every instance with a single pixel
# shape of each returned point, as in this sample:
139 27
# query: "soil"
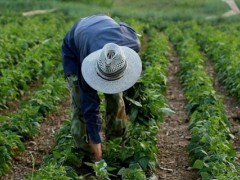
172 139
234 8
174 135
37 147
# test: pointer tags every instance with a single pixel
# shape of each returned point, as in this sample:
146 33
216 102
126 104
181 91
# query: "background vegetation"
30 50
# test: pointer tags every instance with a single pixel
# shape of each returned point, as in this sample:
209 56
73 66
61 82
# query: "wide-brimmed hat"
112 69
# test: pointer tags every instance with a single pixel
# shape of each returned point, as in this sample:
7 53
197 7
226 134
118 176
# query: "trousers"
115 116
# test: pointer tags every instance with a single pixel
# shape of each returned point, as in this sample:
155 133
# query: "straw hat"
112 69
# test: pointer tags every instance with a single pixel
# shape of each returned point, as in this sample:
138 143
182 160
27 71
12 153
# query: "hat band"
111 76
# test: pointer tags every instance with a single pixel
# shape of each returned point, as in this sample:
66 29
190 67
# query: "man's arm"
90 107
69 58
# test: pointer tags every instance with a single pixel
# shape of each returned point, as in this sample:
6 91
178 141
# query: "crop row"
221 44
223 49
38 60
210 148
232 29
24 33
32 64
36 64
17 127
145 104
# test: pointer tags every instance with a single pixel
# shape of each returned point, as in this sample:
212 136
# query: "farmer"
99 54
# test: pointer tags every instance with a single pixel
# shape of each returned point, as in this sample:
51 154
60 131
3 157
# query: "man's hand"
97 150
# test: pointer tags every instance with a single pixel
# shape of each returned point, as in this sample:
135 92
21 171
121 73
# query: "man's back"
93 32
90 34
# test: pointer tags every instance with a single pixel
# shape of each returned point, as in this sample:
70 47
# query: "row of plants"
145 103
17 127
35 63
221 45
135 156
36 56
19 34
223 49
232 28
61 162
210 148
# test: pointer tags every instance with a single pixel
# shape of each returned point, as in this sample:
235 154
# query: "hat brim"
129 78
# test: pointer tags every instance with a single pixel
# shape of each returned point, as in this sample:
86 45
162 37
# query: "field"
184 116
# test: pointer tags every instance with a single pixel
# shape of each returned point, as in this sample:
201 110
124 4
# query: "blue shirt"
86 36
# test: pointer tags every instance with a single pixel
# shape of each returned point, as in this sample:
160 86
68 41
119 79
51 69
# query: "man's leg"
116 118
78 125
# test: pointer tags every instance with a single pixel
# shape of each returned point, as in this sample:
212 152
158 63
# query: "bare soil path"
232 108
174 135
234 8
38 146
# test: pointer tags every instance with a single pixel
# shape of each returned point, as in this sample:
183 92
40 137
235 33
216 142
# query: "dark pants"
116 119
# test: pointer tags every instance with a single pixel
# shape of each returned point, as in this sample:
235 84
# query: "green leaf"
204 152
3 118
205 175
134 166
142 145
133 114
198 164
167 111
89 164
56 155
134 102
121 171
144 162
230 135
203 140
117 140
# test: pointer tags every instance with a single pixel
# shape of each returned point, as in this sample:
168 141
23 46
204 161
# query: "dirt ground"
38 146
234 8
174 135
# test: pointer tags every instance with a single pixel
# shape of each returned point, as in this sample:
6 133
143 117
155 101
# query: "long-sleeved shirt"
86 36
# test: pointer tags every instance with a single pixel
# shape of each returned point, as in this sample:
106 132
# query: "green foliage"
101 170
36 55
210 148
13 8
25 123
60 162
150 90
62 152
146 104
32 58
105 3
171 11
139 147
52 171
132 173
10 145
40 59
222 48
